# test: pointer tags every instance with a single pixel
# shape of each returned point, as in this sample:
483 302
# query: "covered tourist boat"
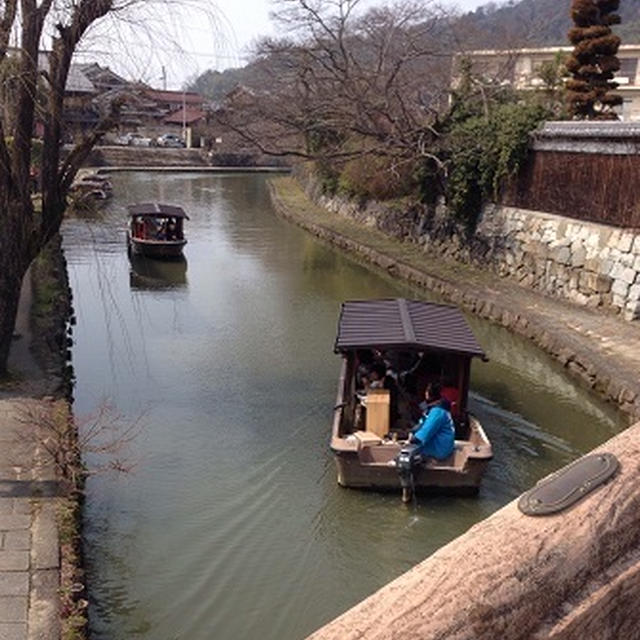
413 344
156 230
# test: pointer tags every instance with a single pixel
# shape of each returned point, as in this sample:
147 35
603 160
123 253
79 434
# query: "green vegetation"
593 61
485 143
73 607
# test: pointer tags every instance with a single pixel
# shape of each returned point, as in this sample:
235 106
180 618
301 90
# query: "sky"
167 51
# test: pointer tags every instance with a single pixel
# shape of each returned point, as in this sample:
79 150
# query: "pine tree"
593 61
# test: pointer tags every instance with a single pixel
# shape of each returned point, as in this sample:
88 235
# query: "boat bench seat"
457 459
380 454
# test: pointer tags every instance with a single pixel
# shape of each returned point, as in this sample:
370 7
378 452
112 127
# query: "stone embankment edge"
578 360
190 169
58 524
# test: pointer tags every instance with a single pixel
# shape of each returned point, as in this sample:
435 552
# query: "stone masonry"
589 264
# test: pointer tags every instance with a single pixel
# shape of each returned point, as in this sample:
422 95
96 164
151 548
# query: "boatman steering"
435 433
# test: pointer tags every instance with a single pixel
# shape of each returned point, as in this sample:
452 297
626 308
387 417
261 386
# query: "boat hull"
354 474
159 249
372 465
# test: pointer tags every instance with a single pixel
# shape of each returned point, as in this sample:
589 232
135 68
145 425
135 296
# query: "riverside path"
29 544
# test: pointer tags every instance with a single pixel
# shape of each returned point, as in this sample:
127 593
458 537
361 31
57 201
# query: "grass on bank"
297 203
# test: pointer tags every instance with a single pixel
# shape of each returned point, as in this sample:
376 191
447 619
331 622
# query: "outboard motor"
406 460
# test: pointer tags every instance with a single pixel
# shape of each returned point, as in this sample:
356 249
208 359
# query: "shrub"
485 150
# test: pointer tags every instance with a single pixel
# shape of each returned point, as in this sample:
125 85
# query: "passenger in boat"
139 228
450 394
435 432
172 229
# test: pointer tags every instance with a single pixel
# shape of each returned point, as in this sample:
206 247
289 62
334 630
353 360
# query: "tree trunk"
17 250
10 285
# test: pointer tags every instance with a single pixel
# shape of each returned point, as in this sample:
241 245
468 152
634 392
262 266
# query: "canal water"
230 524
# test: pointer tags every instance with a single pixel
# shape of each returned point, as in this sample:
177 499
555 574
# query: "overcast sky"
174 48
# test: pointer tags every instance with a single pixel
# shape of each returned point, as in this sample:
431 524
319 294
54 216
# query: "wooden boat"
89 187
156 230
419 343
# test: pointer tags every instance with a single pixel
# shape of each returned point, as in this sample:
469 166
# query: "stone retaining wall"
586 263
610 379
589 264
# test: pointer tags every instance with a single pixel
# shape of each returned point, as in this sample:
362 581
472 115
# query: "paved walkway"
29 554
29 546
601 349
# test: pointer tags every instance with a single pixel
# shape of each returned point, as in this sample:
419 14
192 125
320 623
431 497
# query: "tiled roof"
399 323
188 116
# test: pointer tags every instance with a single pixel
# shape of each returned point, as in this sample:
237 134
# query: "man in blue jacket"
435 433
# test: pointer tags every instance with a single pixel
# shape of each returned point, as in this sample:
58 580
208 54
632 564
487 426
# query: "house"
102 78
520 68
79 112
168 102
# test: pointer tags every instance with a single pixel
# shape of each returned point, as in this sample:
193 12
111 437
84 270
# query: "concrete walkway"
602 350
29 545
29 550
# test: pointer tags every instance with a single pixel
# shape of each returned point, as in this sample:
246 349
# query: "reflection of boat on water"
156 230
422 343
157 274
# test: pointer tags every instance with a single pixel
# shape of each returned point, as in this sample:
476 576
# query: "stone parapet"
568 576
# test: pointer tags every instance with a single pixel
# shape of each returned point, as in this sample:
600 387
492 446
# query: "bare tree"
49 32
76 448
345 83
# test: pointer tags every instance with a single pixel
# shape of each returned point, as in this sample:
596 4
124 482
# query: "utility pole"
164 78
184 117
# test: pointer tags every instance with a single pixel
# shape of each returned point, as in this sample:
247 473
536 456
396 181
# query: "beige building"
520 67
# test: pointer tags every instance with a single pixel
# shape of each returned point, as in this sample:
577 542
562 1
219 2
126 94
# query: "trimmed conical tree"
593 61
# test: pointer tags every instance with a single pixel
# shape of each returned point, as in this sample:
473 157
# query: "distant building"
168 102
79 113
520 68
102 78
187 117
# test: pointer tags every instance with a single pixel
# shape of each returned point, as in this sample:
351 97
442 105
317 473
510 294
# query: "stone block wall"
583 262
568 226
586 263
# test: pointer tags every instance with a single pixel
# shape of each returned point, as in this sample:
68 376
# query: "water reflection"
150 274
233 525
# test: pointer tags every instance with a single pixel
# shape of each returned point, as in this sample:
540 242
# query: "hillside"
492 26
536 23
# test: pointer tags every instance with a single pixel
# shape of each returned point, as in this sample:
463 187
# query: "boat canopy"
404 324
157 210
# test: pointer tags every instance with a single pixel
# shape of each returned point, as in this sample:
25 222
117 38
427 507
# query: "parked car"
132 139
138 140
122 140
170 140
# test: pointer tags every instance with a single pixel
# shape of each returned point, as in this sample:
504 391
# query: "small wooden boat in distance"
411 344
156 230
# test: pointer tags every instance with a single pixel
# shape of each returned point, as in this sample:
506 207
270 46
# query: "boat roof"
157 210
399 323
